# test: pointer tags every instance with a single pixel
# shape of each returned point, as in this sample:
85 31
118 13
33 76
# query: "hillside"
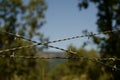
53 62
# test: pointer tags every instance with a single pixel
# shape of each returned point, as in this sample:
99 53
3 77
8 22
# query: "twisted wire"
97 60
60 40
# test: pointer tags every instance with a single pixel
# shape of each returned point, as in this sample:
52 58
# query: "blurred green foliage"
26 17
23 17
108 19
79 69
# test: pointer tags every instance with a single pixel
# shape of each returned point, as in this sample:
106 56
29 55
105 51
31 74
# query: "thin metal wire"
29 46
80 57
60 40
97 60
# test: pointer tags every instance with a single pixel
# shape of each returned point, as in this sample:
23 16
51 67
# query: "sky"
64 19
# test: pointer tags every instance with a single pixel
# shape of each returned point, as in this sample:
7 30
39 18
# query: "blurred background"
48 20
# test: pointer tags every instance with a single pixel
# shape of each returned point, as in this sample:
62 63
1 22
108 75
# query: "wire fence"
46 43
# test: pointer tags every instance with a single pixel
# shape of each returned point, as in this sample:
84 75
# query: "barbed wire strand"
80 57
97 60
90 34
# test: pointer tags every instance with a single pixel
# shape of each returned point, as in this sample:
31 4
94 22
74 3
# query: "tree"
108 20
23 17
79 69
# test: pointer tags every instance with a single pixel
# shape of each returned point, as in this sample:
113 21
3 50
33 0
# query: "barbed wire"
29 46
90 34
97 60
59 57
45 43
